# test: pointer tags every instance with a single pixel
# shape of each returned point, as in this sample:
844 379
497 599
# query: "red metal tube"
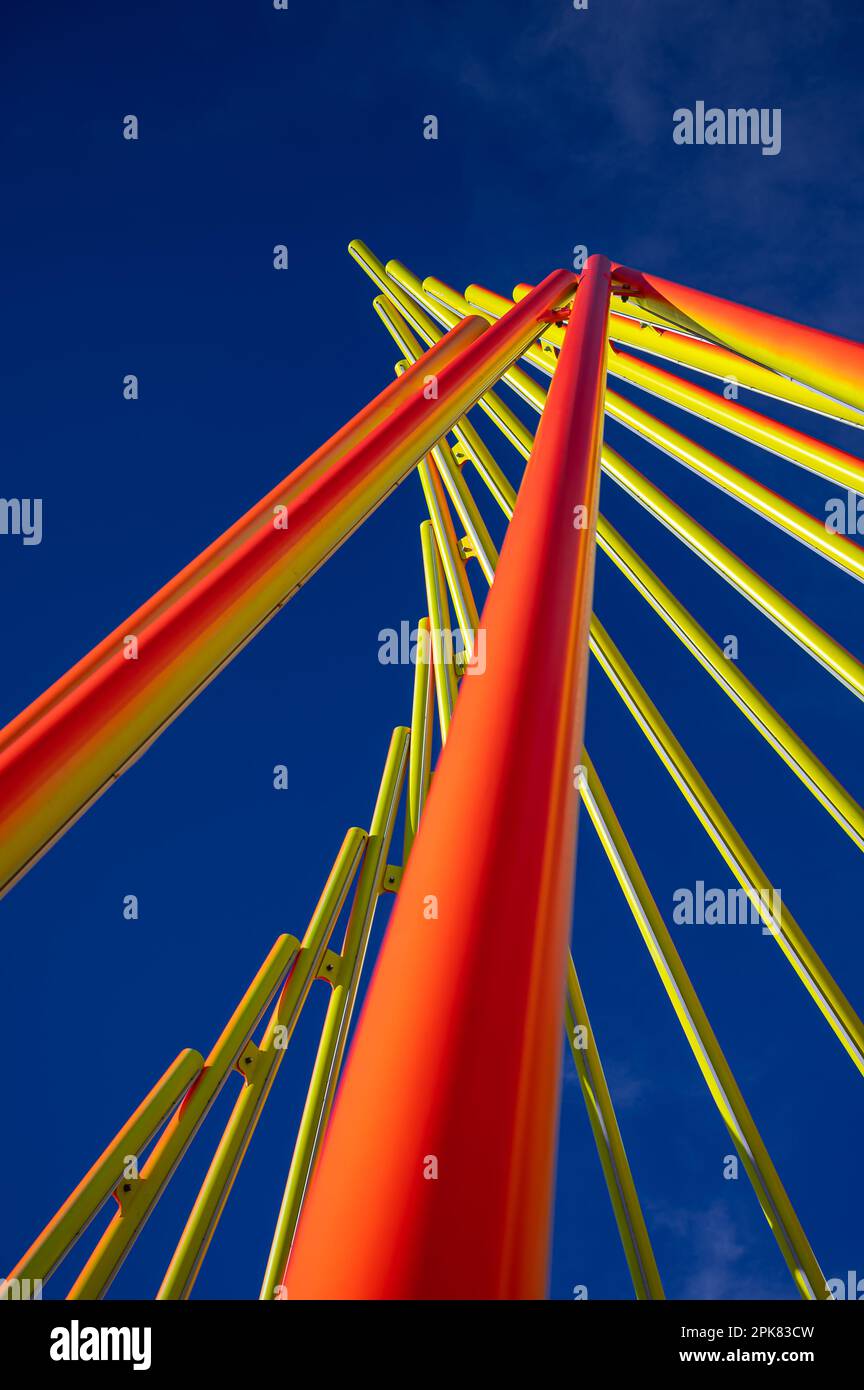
825 361
63 751
436 1175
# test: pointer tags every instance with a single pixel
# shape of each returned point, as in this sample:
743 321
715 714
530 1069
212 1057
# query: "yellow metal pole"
423 325
447 543
728 675
764 898
439 616
94 1189
610 1145
136 1197
466 509
715 1070
824 649
420 747
442 456
836 465
259 1073
334 1035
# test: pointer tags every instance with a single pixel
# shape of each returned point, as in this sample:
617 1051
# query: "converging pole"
67 747
436 1175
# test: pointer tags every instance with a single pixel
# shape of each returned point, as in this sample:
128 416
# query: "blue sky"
304 127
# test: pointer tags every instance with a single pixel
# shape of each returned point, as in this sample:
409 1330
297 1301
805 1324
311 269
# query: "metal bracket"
331 967
247 1062
392 878
125 1192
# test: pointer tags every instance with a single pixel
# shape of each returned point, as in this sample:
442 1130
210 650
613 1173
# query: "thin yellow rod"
764 898
334 1034
768 600
794 521
819 458
259 1073
94 1189
793 750
712 1063
466 509
420 747
447 543
424 326
610 1146
439 616
444 461
137 1197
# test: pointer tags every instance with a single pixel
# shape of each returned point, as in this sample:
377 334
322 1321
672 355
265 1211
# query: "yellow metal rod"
423 325
446 465
439 617
715 1070
839 549
466 509
137 1197
768 600
610 1145
447 543
94 1189
420 747
334 1035
471 446
764 897
792 749
815 455
260 1074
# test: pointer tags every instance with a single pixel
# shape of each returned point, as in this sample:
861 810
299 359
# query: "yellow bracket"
247 1062
392 878
331 967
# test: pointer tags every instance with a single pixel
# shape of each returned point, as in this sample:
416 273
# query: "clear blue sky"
304 127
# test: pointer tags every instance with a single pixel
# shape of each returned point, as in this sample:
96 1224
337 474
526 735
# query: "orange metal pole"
63 751
829 363
436 1175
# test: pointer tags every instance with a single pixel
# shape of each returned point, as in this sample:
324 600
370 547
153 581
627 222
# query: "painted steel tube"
446 1124
334 1034
825 361
260 1074
629 1219
57 758
716 1072
71 1221
138 1197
